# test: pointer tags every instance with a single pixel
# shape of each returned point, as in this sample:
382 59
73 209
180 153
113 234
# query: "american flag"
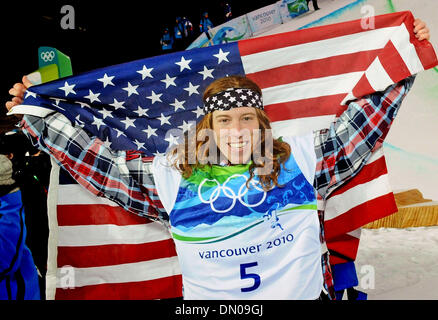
97 250
306 76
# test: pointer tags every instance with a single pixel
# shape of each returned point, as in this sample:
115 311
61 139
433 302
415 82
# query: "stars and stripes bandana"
233 98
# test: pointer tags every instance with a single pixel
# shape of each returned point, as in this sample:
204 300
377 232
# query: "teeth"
238 145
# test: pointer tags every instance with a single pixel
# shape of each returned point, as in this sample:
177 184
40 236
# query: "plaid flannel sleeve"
121 176
344 148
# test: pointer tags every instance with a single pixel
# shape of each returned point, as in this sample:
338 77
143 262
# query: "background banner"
200 42
264 18
290 9
252 24
233 30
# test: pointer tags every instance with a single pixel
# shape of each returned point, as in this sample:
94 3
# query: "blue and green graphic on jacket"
215 204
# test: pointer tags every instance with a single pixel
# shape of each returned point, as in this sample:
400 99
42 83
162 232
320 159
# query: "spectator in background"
178 32
205 24
315 4
187 27
187 32
31 173
183 32
18 273
166 41
228 15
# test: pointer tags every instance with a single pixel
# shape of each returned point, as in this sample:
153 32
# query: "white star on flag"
199 112
117 105
184 64
155 97
169 81
221 56
131 89
106 80
92 96
105 113
206 73
172 139
68 88
119 133
141 112
97 122
139 144
145 72
150 131
164 120
128 123
30 94
192 89
178 104
186 125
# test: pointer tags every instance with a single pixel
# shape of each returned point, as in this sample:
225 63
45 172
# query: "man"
241 232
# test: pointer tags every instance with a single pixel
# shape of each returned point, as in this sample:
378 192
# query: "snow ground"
405 263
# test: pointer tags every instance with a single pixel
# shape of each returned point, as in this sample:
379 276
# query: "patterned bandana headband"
233 98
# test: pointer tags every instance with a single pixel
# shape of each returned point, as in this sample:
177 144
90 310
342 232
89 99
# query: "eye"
223 120
248 118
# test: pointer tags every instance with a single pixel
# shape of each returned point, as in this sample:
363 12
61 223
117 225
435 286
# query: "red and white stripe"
311 73
99 251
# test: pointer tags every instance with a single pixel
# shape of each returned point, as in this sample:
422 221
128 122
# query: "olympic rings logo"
229 193
47 55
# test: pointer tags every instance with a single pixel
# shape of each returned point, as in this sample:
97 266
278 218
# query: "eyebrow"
242 115
248 114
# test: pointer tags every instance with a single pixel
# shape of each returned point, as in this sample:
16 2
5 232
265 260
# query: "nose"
236 128
238 133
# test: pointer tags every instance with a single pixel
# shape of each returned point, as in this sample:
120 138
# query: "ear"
10 156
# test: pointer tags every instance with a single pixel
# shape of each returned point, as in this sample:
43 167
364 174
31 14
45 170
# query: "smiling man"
236 143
